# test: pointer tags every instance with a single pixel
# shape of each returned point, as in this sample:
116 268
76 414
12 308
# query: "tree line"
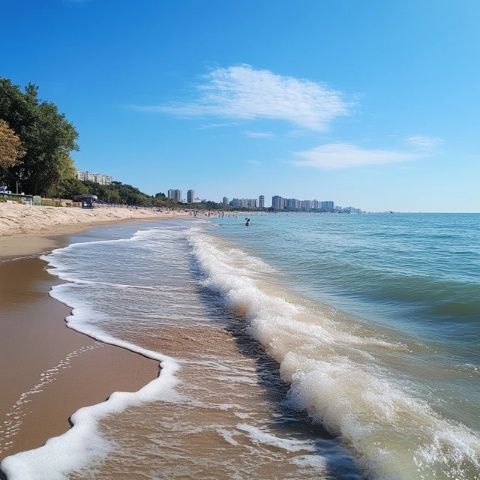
36 141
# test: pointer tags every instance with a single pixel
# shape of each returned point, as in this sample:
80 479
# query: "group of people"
209 213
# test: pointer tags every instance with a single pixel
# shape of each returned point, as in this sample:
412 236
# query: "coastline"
50 370
31 230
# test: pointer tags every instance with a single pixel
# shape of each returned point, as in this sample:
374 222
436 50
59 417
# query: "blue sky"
372 104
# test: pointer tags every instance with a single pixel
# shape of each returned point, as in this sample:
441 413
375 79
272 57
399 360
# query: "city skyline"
277 202
366 104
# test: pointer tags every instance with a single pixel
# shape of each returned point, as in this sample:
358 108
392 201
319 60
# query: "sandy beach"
48 370
28 219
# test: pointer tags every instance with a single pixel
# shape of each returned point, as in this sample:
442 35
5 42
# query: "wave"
337 377
77 447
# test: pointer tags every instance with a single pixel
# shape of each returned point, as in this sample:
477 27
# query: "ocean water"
304 346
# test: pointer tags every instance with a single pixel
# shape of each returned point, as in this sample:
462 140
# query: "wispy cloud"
333 156
423 142
207 126
242 92
258 134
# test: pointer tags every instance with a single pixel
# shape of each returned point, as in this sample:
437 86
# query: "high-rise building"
190 196
292 204
328 206
244 202
261 201
306 205
278 203
175 194
225 201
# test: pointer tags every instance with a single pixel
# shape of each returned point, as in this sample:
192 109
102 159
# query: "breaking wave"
339 376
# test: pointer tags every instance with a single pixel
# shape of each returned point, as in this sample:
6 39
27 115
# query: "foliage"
209 205
117 192
46 135
69 187
11 150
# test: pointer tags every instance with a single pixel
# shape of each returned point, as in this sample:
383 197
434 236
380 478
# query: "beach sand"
48 371
16 219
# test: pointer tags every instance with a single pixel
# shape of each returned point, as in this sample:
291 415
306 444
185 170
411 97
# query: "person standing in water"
247 223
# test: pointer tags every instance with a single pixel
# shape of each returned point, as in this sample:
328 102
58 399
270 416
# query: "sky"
370 104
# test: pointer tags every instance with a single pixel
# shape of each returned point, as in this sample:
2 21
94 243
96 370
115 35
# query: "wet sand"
48 371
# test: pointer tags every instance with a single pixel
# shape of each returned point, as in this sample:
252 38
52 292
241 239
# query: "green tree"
46 135
11 151
70 187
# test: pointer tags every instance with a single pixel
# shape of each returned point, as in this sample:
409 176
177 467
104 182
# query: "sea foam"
82 444
395 433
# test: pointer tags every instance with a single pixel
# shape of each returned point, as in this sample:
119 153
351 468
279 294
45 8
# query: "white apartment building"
244 202
191 198
175 194
94 177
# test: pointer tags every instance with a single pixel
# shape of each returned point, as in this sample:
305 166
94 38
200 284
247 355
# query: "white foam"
306 461
289 444
227 436
395 433
83 443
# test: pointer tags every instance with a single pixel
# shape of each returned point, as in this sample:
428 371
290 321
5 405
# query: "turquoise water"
412 278
416 273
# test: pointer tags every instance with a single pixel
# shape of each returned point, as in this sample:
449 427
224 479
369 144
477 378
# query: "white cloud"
423 142
208 126
258 134
342 155
241 92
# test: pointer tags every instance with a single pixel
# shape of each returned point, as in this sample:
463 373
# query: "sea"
326 346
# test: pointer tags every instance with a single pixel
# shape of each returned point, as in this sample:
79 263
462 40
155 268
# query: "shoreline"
55 370
24 229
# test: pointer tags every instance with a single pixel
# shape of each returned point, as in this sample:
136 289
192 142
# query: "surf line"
82 443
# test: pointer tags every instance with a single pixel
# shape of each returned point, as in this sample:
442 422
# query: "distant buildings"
175 194
327 206
292 204
244 203
94 177
278 203
306 205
